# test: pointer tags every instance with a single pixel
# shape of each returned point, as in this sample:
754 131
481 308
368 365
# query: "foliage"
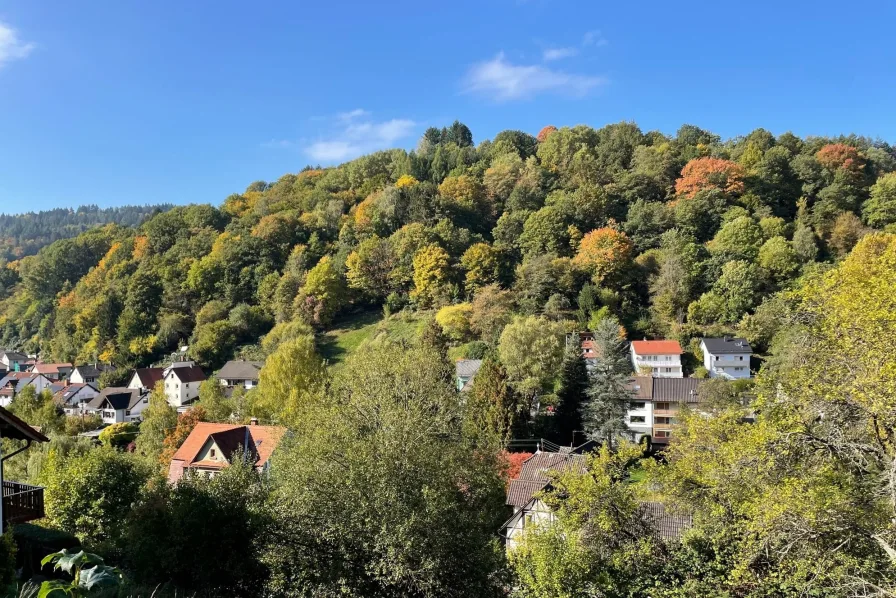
701 174
531 349
604 252
291 378
118 435
186 421
89 572
214 403
455 321
159 419
492 406
608 393
571 394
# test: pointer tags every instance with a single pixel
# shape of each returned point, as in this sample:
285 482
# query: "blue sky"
113 102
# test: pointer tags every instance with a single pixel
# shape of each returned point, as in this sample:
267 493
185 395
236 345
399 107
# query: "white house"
726 357
655 404
240 373
182 384
118 404
210 447
12 360
14 382
88 373
53 371
660 359
74 398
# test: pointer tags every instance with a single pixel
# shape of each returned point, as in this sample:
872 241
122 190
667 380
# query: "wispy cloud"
551 54
594 38
357 134
501 80
11 47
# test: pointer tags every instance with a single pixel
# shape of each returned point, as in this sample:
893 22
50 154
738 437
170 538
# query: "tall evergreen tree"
572 394
491 407
604 414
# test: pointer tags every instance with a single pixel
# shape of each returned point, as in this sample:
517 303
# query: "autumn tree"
159 419
710 173
482 266
604 252
369 267
431 274
289 382
186 421
880 209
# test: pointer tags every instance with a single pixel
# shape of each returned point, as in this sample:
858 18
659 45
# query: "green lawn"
351 332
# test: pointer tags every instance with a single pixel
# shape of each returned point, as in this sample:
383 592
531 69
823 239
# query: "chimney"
253 421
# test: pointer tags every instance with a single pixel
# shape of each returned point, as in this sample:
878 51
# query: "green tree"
90 494
739 238
777 257
492 407
434 533
608 394
531 349
290 381
571 394
217 406
159 418
323 294
880 209
369 267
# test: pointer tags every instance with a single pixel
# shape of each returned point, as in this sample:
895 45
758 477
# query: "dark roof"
534 474
87 371
116 397
667 524
721 346
189 373
13 355
681 390
13 427
240 370
231 441
148 377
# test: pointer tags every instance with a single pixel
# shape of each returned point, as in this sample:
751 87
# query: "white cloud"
356 136
11 48
558 53
502 81
594 38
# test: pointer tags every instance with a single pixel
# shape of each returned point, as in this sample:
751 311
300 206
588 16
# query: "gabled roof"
240 370
534 474
87 371
657 347
667 524
66 393
666 389
117 398
13 427
13 355
467 367
189 373
50 368
262 440
148 377
725 345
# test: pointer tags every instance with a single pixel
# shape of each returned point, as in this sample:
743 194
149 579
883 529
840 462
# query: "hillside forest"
390 482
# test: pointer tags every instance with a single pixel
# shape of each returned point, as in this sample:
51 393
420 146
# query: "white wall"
179 393
658 364
733 366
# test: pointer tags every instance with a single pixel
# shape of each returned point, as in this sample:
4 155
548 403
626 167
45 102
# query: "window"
741 357
145 400
212 453
738 369
187 385
717 357
127 412
663 421
668 370
636 405
636 419
662 406
662 434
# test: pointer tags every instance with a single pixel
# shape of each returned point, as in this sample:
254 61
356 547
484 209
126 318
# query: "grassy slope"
352 331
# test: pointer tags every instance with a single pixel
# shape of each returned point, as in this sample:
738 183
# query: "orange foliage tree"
604 252
514 463
186 421
835 156
545 132
710 173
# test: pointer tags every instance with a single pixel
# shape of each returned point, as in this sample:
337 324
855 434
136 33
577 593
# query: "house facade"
464 372
240 373
181 384
13 383
53 371
88 373
210 447
727 357
74 398
660 359
653 409
13 361
117 404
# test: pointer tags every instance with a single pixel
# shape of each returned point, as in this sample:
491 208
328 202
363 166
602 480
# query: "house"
655 403
182 384
116 404
21 502
240 373
726 357
146 378
53 371
210 447
586 341
465 370
73 398
660 359
12 360
13 383
529 510
88 373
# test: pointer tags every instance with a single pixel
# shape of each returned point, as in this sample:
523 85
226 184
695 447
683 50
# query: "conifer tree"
572 394
608 395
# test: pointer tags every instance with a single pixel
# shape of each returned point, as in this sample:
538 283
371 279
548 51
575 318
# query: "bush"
119 435
455 321
76 424
33 542
701 372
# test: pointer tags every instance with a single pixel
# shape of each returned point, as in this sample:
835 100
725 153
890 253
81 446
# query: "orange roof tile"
657 347
265 439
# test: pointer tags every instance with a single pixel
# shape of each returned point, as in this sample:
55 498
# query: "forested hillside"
24 234
674 235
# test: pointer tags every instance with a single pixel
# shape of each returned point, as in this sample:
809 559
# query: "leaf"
54 588
100 576
70 560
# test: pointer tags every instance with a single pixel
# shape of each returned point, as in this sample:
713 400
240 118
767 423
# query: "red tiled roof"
49 368
657 347
264 439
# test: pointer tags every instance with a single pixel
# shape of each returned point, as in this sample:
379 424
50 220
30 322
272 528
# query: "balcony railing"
22 502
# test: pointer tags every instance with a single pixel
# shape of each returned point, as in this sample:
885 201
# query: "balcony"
665 412
21 503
